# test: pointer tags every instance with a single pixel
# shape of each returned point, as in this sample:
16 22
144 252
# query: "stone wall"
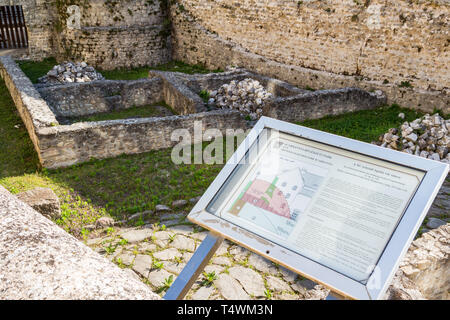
39 19
63 146
40 261
115 34
33 110
112 33
318 104
80 99
399 47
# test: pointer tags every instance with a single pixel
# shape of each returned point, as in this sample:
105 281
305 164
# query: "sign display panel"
338 211
332 206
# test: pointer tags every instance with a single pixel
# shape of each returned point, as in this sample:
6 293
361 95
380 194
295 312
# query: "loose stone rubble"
427 137
247 96
69 72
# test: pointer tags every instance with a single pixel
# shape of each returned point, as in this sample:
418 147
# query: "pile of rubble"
427 137
69 72
247 96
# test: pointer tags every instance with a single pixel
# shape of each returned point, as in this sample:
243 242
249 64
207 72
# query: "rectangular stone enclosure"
45 109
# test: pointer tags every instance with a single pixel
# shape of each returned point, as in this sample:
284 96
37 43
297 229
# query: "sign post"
337 211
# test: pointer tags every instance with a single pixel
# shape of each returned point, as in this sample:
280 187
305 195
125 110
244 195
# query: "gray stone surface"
179 203
230 288
223 248
104 222
162 208
434 223
262 264
125 258
142 264
203 293
183 243
39 260
133 236
174 267
421 274
157 277
277 284
168 254
239 253
182 229
146 246
222 261
249 279
43 200
288 275
214 268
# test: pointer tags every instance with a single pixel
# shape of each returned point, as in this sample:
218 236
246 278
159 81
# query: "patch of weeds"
156 226
163 227
110 249
405 84
109 231
123 242
178 260
84 233
166 285
209 278
139 222
120 263
158 265
268 294
172 237
204 94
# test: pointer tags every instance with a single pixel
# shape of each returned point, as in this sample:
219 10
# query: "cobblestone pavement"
157 252
157 248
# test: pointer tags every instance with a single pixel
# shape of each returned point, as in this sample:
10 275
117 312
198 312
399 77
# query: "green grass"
142 72
17 155
35 70
365 125
158 109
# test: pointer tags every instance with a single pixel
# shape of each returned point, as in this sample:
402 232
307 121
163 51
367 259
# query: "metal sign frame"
398 244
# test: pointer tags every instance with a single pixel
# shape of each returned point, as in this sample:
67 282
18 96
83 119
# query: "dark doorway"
13 31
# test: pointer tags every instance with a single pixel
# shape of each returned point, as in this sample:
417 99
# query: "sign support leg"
194 267
332 296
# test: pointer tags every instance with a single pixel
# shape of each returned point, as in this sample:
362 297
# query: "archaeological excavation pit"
65 121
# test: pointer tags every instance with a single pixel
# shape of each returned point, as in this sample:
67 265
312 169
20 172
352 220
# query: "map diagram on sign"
275 199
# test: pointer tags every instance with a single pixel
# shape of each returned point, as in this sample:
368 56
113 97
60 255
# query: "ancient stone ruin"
61 140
